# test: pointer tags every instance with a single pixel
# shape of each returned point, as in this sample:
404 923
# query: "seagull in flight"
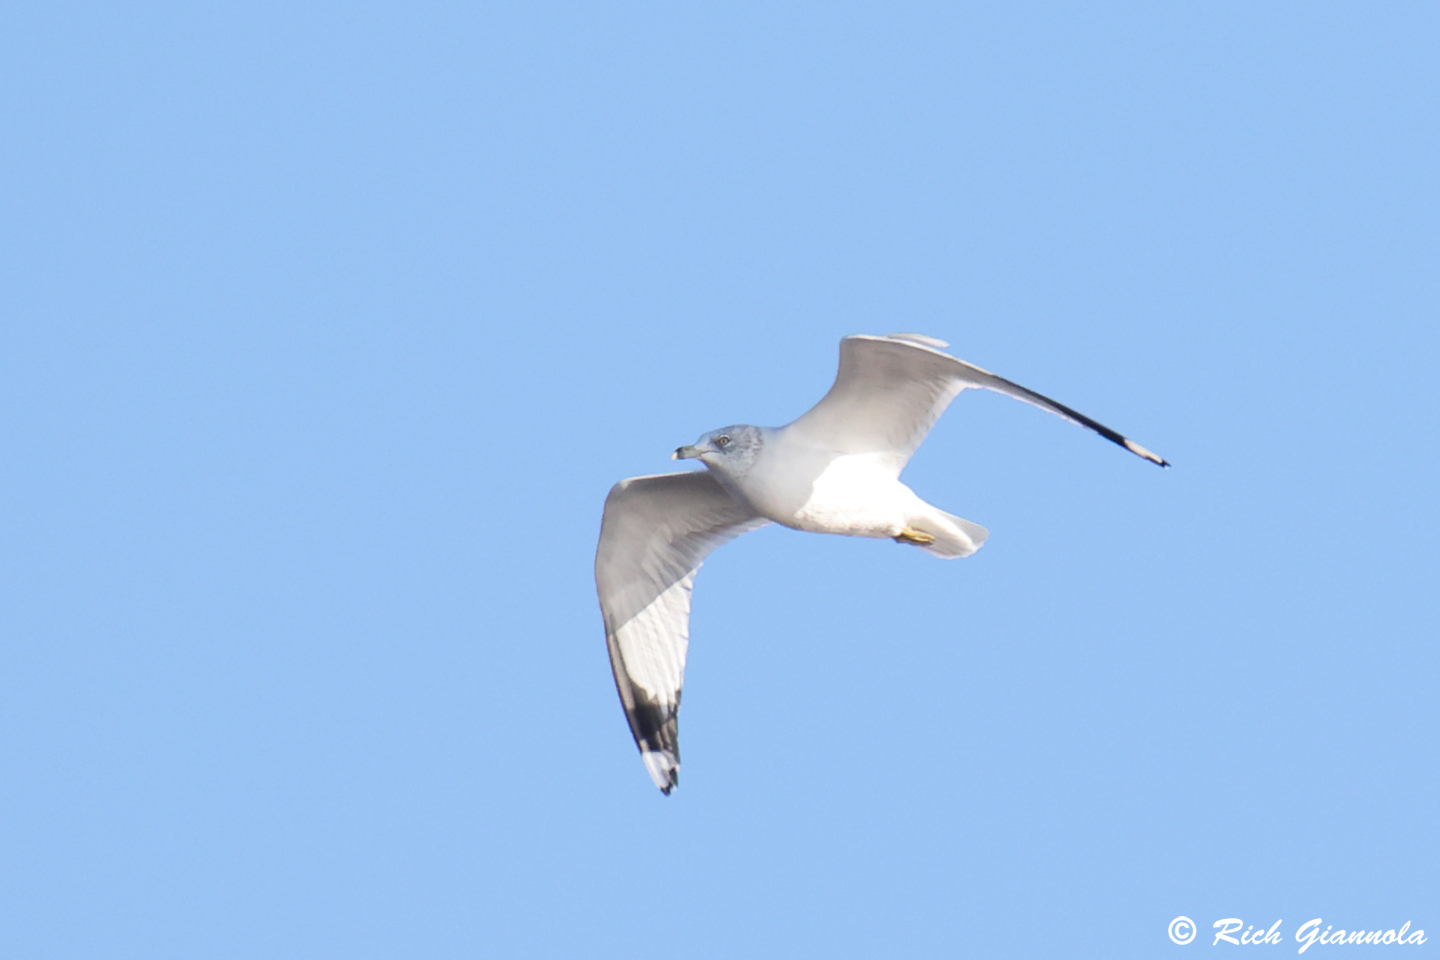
834 470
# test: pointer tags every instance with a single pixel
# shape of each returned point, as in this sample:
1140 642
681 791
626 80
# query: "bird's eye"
722 442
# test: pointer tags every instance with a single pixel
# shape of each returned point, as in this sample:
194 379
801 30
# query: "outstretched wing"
890 391
656 533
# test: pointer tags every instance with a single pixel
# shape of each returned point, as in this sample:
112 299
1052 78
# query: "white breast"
811 489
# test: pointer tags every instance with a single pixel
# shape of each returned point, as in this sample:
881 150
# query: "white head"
730 450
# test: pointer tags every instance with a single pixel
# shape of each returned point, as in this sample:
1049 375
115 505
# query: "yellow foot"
917 537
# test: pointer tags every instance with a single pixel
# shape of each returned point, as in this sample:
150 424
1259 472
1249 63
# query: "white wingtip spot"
1140 451
663 770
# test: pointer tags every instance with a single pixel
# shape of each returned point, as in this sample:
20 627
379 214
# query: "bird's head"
729 450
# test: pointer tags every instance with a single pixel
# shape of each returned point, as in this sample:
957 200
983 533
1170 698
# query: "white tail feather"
954 537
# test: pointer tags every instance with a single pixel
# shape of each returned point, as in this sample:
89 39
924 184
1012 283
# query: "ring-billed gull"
835 470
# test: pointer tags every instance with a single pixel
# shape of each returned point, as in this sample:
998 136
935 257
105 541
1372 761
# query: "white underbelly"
855 497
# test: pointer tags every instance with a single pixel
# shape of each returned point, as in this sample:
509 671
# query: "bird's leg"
917 537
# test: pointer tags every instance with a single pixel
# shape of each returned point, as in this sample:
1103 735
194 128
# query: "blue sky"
327 327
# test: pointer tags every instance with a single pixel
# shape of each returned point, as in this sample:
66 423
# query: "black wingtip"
1084 421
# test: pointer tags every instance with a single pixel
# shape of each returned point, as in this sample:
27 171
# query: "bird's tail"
954 536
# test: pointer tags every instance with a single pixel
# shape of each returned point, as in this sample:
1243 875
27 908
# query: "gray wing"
656 533
890 391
